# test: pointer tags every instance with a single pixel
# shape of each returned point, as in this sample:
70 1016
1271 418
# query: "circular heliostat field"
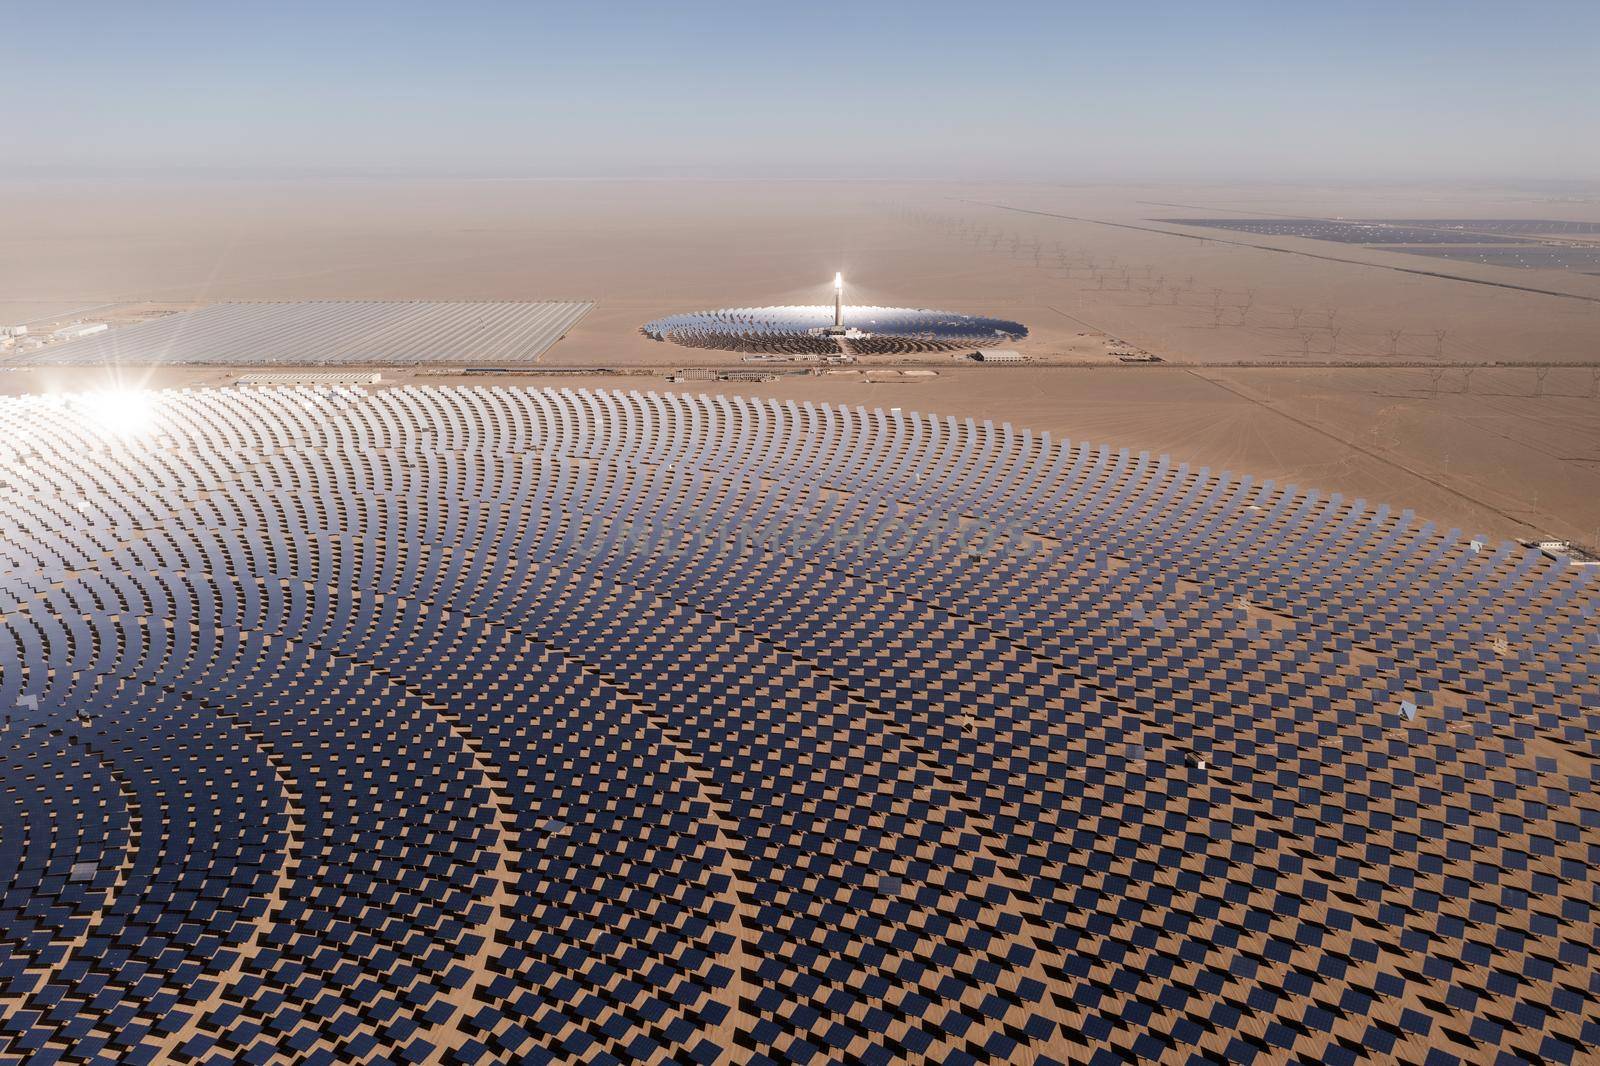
810 330
494 725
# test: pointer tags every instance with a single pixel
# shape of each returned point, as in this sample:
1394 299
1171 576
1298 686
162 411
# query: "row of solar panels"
329 332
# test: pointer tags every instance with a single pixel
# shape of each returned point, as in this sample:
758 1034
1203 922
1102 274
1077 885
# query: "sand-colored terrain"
1233 785
1499 460
1093 261
1288 351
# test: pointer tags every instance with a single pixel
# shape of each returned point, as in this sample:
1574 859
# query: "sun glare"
119 412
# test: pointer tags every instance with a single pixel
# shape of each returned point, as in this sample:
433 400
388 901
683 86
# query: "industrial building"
78 330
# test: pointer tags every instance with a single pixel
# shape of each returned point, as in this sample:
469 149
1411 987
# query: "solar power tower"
821 330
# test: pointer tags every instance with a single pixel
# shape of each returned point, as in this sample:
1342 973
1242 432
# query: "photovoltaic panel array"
329 333
1403 230
1536 244
506 725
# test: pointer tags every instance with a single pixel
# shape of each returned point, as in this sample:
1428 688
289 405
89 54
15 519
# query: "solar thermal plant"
832 329
496 724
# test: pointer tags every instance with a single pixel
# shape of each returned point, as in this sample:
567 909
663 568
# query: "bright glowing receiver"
119 412
838 300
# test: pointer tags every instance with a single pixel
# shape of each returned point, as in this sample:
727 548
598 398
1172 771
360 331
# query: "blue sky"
1055 91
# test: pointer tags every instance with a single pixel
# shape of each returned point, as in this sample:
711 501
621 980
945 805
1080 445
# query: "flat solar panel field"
1342 232
1521 227
1534 257
1518 243
497 724
329 333
1401 231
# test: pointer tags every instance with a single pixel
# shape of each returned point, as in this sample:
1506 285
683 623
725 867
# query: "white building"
81 329
13 331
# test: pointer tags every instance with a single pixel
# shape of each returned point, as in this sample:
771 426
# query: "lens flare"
119 412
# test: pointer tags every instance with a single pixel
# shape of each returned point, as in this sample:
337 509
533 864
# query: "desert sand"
1336 370
1334 367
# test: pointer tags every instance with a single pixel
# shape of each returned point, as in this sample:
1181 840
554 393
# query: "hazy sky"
1050 90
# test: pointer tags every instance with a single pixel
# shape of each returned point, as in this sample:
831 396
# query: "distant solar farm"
1544 244
329 333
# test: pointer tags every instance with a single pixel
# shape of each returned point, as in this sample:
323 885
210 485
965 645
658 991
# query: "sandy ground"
1498 460
1503 451
644 249
1507 451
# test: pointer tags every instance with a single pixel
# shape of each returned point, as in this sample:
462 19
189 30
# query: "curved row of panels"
466 725
329 333
799 330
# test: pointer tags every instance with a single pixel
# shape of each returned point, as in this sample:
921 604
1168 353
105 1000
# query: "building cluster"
18 338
